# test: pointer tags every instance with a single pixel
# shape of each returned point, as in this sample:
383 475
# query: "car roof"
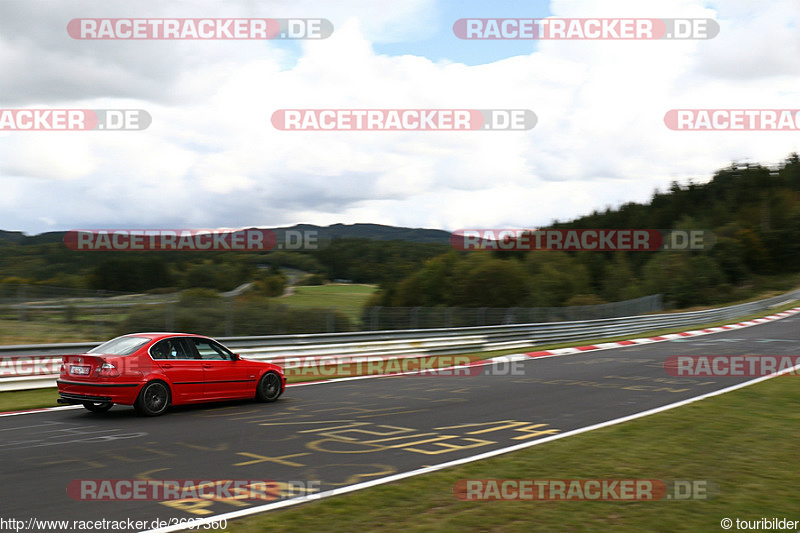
155 335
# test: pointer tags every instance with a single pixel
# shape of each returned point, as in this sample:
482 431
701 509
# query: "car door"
183 369
225 376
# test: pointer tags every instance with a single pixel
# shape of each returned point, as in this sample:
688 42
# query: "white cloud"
212 158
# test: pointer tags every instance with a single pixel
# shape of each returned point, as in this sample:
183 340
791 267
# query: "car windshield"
120 346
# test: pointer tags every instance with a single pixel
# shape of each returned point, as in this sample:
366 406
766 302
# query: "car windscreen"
120 346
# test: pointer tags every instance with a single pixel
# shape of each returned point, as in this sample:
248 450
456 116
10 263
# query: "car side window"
170 349
211 351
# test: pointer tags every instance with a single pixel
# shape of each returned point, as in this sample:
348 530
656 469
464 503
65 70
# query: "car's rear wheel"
98 407
269 387
153 399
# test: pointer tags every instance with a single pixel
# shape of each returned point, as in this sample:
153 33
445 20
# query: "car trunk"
82 367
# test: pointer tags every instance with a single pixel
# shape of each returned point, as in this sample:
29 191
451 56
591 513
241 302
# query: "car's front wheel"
98 407
153 399
269 387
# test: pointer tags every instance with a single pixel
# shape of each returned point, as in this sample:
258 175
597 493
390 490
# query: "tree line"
753 210
356 259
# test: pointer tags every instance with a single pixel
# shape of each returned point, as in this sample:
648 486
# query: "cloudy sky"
211 157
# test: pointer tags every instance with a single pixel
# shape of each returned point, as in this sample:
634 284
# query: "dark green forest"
360 260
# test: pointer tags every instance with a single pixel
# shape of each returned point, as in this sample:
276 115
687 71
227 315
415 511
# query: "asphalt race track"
347 432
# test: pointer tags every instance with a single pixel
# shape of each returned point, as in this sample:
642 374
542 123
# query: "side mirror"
236 357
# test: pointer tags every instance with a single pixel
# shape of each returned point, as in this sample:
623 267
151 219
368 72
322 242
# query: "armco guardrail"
36 366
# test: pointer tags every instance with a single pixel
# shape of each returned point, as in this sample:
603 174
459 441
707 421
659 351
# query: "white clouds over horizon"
212 158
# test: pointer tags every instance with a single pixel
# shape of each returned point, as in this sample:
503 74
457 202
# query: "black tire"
269 387
98 407
153 400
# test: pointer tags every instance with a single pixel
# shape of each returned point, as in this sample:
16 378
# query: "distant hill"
377 232
11 236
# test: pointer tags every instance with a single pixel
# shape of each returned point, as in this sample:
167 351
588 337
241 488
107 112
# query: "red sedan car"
152 371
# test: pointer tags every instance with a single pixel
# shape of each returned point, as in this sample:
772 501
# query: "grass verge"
28 399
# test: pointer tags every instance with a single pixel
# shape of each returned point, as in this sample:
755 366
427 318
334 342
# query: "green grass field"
49 331
88 324
348 298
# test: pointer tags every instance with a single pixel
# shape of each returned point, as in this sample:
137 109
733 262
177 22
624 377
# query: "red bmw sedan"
152 371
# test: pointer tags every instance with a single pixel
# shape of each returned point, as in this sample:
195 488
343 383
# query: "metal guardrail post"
330 319
375 318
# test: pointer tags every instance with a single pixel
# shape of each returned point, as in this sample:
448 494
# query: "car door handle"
208 366
166 366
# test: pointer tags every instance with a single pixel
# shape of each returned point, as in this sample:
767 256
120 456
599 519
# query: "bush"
214 316
314 279
193 297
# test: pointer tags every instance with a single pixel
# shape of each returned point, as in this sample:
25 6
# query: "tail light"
107 371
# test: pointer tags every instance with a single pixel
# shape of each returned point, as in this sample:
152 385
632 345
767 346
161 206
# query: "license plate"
79 370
